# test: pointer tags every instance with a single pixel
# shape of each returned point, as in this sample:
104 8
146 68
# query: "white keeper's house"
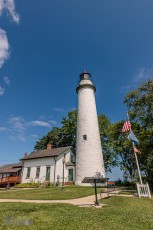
49 165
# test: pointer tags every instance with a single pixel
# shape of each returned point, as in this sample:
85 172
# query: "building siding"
56 168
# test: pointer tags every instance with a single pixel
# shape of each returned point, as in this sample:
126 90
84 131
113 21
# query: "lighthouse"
89 157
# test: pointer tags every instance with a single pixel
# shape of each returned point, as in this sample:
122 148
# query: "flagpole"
137 164
135 156
128 116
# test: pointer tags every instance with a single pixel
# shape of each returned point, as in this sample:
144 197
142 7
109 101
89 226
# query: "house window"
84 137
37 172
28 172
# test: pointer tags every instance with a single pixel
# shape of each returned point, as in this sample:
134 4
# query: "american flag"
126 126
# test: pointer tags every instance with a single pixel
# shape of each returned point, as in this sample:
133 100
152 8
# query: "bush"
27 185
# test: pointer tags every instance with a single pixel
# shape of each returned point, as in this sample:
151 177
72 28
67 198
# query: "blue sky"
45 45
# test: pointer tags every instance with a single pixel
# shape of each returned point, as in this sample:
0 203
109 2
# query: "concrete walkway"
81 202
89 200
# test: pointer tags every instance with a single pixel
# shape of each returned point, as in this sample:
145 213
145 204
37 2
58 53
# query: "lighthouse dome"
85 76
85 81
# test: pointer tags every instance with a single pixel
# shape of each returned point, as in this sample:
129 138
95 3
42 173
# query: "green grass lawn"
121 213
70 192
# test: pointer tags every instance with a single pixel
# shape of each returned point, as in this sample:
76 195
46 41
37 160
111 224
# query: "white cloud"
19 137
73 108
9 6
143 74
1 6
4 47
52 122
39 123
42 117
2 91
59 109
3 129
18 123
19 128
6 80
33 137
126 88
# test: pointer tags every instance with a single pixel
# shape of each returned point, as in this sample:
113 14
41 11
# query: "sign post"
95 180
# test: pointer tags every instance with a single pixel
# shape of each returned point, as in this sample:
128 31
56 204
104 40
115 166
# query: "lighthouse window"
84 137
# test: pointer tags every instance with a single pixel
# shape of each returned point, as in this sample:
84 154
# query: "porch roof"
10 168
70 164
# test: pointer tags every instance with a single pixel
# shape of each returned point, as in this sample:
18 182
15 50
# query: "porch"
10 180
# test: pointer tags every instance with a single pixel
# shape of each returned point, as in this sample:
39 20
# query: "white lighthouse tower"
89 158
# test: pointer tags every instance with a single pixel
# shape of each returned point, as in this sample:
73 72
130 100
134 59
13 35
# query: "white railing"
143 190
41 180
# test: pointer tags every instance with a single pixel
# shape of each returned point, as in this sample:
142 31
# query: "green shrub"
27 185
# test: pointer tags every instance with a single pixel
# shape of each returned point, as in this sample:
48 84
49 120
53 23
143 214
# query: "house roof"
70 164
10 168
46 153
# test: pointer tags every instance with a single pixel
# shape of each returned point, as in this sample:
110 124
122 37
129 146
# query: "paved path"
82 202
89 200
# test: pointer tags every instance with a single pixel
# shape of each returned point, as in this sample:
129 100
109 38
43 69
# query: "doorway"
48 173
70 176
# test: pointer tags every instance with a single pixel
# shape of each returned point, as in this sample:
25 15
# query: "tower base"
79 183
89 184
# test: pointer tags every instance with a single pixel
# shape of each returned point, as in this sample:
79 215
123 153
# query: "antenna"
84 69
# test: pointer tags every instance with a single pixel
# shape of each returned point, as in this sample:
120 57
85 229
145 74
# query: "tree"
54 137
69 125
124 150
63 136
109 153
140 106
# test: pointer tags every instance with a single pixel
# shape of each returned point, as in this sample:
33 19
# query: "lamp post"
54 171
63 172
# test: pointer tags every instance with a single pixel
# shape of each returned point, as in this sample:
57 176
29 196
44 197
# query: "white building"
89 157
49 165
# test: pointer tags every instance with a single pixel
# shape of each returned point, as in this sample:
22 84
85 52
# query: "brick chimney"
26 154
49 146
